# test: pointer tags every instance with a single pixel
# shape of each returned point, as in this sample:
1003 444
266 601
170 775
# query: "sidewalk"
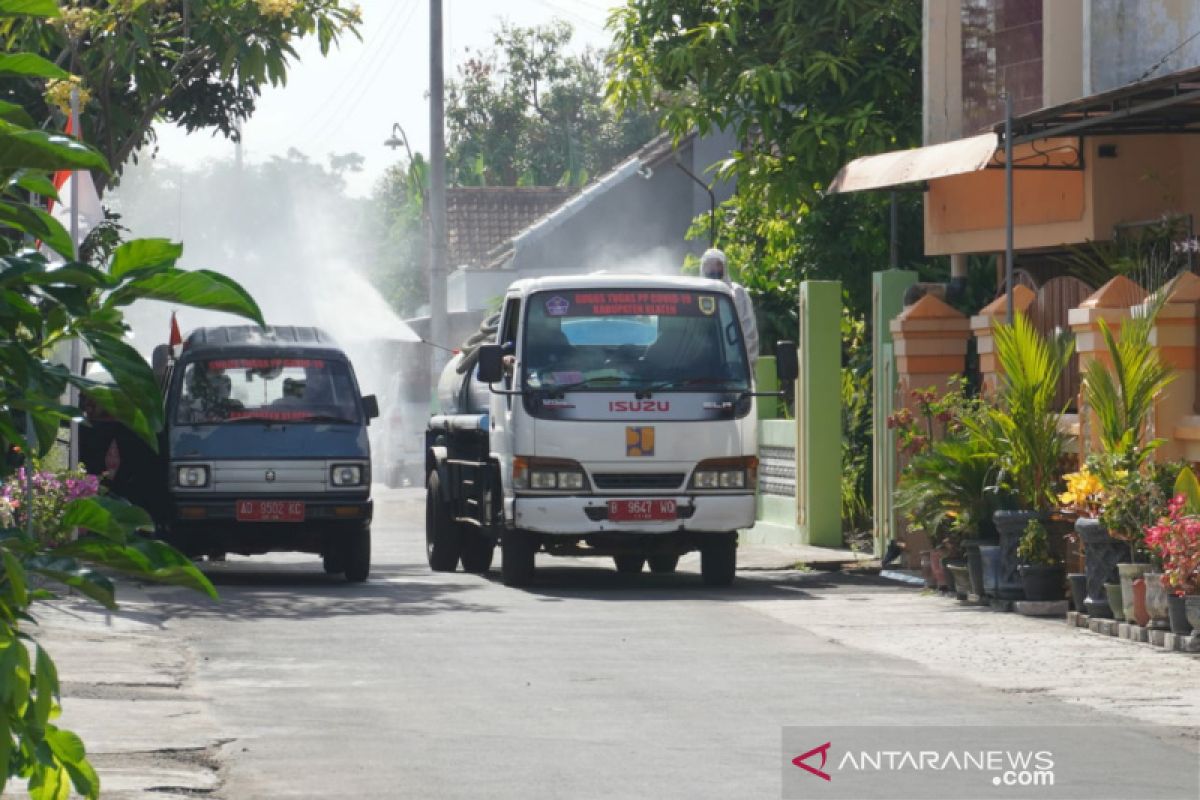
1022 656
124 682
788 556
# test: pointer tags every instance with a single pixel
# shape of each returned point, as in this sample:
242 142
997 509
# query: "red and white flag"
176 337
91 213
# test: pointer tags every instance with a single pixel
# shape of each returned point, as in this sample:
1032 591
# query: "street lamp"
399 139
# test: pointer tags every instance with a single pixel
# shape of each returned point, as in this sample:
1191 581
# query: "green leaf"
143 558
199 289
15 575
113 519
117 404
39 224
38 183
67 571
1187 485
144 254
14 113
23 148
130 372
28 8
6 742
45 680
30 65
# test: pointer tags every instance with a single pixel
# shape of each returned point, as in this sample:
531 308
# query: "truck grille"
638 480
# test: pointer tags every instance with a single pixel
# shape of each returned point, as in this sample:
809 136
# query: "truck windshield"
606 339
230 390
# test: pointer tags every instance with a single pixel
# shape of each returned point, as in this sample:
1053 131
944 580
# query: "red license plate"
270 511
641 510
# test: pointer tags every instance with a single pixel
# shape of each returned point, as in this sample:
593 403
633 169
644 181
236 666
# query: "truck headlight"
726 473
347 475
548 474
193 477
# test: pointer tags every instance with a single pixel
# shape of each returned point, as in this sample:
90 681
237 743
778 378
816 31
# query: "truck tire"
718 559
477 550
517 551
630 565
443 536
356 554
663 564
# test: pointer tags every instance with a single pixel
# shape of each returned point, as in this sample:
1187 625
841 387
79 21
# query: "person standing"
713 266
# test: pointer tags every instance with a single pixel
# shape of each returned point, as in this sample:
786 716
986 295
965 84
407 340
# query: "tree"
525 112
199 65
45 305
399 224
806 85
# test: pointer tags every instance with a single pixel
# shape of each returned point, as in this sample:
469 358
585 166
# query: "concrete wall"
1126 39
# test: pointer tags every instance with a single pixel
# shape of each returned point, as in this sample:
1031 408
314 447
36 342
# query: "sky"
347 101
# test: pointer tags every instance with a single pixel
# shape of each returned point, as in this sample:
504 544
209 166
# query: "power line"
1163 60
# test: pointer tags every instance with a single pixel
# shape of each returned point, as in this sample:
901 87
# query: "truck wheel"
333 562
443 536
718 559
477 550
663 564
630 565
517 549
357 555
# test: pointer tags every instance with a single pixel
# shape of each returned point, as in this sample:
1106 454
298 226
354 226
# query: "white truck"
613 415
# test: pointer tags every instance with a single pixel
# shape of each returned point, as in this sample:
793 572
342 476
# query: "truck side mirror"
787 362
491 363
371 406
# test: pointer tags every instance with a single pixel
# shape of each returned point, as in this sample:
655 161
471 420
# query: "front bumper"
570 515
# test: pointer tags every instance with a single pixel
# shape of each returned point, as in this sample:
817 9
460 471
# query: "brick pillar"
1112 303
983 326
930 346
1175 335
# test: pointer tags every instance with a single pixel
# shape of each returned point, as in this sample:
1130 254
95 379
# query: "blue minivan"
266 447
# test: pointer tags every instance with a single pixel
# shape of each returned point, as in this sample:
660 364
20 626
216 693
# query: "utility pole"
438 333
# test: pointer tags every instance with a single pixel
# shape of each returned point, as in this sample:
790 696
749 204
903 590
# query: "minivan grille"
638 480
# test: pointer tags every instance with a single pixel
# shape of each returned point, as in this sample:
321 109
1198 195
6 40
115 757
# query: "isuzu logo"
270 476
632 406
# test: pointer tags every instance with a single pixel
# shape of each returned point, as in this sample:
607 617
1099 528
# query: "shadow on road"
299 591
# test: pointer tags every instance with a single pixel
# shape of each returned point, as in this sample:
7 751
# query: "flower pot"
974 565
989 554
1191 605
927 571
1177 614
1078 582
1101 555
961 576
1041 582
1128 574
941 578
1011 526
1156 600
1113 590
1140 615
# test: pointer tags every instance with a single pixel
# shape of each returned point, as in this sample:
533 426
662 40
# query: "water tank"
461 394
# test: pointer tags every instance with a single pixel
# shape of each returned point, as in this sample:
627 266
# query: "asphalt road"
589 684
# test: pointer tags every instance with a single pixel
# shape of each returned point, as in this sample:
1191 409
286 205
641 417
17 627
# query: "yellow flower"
58 93
277 8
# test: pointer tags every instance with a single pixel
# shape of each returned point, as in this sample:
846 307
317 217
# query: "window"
227 390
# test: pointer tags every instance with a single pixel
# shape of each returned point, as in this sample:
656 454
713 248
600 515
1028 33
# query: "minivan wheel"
357 555
663 564
333 562
517 551
630 565
718 558
443 536
477 550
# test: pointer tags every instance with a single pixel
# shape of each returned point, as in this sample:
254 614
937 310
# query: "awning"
918 164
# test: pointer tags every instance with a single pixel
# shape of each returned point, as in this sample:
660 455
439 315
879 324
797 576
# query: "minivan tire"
357 555
478 549
663 564
443 536
718 559
629 564
517 551
333 562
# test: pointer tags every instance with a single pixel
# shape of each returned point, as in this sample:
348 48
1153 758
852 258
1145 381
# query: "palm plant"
1026 417
945 488
1121 398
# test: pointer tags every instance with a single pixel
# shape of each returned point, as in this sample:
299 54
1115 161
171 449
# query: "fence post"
983 326
819 415
1175 336
887 300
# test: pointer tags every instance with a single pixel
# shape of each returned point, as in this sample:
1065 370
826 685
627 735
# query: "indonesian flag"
176 337
91 213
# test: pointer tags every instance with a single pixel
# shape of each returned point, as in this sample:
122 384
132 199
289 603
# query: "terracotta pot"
1191 605
1140 615
1130 573
1113 590
1156 600
927 570
1177 613
941 578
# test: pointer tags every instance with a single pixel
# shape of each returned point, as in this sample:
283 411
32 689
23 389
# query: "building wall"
1126 40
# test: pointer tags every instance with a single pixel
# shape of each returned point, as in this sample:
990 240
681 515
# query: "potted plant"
1120 400
1084 497
1135 499
1041 572
1176 540
1024 433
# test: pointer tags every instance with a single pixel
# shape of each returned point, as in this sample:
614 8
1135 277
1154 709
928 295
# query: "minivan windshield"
230 390
624 338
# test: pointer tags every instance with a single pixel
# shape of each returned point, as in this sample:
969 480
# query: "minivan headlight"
192 477
347 474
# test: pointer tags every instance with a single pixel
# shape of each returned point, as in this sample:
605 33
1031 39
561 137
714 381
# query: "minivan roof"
252 337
